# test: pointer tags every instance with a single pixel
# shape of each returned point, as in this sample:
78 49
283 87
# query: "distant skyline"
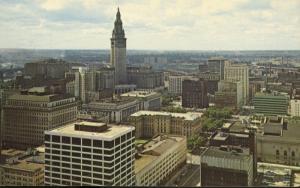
152 24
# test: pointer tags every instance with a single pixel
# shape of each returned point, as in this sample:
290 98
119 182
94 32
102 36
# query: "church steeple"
118 31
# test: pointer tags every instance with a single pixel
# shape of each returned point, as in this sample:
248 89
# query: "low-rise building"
226 166
118 109
279 142
151 123
158 159
22 168
148 100
270 104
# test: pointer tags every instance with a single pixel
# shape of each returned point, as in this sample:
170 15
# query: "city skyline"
176 25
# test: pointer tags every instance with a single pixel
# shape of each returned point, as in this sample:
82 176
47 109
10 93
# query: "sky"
152 24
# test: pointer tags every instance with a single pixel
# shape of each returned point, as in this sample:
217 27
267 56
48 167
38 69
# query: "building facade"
194 94
118 51
229 95
270 104
175 84
295 107
225 166
145 77
21 168
27 116
151 123
118 109
148 100
216 65
90 154
159 158
236 73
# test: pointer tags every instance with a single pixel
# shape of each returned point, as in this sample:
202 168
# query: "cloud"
53 5
152 24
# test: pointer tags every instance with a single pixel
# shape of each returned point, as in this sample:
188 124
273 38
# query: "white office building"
90 154
295 107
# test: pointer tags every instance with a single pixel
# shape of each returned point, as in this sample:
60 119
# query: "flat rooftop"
142 94
115 101
26 163
187 116
216 152
153 149
111 133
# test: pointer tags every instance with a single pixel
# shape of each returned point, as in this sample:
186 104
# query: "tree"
195 142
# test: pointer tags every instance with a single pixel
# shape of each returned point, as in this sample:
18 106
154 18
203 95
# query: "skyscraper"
236 73
118 51
91 154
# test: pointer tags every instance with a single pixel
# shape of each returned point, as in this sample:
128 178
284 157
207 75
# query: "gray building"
118 51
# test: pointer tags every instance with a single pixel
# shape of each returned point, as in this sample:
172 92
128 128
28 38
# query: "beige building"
26 116
151 123
148 100
118 109
276 144
175 83
159 158
22 168
238 72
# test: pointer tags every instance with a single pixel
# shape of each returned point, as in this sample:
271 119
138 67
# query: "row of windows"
88 142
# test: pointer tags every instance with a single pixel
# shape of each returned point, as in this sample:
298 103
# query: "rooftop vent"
91 127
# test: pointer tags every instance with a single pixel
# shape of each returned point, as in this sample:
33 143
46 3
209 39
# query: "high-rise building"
236 73
27 115
90 154
229 94
216 65
145 77
118 51
194 94
175 83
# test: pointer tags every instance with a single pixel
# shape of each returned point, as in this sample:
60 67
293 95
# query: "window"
97 143
86 156
47 138
76 167
87 168
108 144
55 138
76 154
76 172
76 148
66 159
86 162
66 171
76 141
66 147
86 142
66 140
293 155
88 150
76 160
